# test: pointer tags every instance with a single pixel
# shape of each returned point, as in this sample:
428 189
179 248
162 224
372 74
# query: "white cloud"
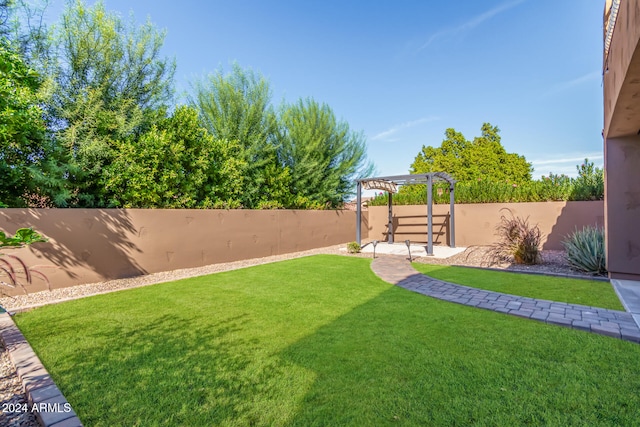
565 164
387 133
471 23
562 86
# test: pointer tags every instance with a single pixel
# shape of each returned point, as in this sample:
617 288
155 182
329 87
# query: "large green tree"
22 128
111 84
323 154
236 108
484 158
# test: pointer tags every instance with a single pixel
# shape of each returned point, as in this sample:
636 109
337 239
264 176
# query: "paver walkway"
613 323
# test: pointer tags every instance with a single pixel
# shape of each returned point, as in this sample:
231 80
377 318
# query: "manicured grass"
322 341
575 291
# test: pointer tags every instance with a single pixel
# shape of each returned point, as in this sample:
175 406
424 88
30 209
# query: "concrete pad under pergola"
390 184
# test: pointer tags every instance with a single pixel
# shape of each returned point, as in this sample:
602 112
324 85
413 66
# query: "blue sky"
404 71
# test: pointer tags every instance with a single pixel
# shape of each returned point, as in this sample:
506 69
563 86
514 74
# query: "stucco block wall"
91 245
621 87
621 74
475 223
622 166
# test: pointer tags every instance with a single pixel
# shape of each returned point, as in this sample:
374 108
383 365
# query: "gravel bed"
554 262
11 394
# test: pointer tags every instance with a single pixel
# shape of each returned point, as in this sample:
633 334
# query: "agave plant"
585 250
15 270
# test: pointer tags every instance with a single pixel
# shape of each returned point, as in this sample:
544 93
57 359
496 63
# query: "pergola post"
452 217
390 225
358 212
429 215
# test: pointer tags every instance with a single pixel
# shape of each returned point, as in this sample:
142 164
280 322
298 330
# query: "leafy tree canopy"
323 154
484 158
91 128
178 164
22 129
110 84
236 107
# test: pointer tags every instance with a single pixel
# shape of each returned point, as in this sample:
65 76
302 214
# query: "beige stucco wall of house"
621 76
475 223
91 245
621 87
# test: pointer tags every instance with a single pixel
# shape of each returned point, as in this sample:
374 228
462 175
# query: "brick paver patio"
613 323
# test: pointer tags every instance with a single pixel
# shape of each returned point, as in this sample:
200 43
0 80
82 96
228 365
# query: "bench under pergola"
390 184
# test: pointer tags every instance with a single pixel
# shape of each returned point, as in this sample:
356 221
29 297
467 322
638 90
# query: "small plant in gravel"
585 250
517 242
353 247
12 268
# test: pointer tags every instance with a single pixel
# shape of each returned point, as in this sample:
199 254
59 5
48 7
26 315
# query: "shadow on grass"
113 386
322 341
408 359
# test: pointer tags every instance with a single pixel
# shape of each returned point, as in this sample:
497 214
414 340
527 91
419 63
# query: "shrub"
589 185
585 250
517 241
353 247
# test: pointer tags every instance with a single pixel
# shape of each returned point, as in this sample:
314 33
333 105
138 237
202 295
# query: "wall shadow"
574 215
96 239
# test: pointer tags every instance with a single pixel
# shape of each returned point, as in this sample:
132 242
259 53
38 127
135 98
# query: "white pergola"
390 185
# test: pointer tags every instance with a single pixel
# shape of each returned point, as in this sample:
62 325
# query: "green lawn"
576 291
321 341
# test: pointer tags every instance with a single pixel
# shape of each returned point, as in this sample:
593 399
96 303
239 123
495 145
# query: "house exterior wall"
621 85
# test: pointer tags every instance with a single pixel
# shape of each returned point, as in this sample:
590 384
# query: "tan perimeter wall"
92 245
475 223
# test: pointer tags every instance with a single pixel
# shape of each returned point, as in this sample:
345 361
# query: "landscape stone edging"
37 384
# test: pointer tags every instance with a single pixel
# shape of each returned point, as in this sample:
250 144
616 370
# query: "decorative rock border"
45 399
613 323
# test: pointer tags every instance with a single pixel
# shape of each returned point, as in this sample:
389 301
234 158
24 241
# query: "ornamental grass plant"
517 242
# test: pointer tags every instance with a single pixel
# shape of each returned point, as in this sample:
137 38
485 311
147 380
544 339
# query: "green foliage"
22 128
23 23
589 185
121 59
110 85
353 247
22 237
517 241
302 157
323 154
547 189
483 158
93 130
586 251
237 107
171 160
